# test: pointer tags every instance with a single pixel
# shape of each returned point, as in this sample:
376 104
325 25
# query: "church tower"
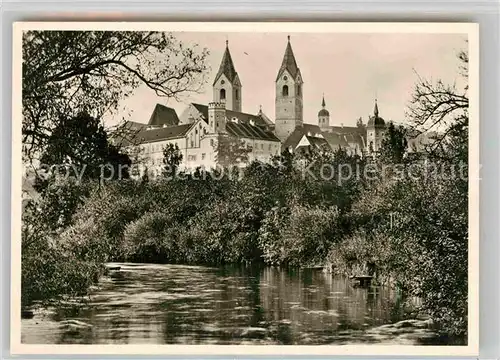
289 91
323 116
375 130
227 85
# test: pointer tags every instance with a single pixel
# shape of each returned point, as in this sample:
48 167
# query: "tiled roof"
124 135
293 139
347 129
318 142
163 115
265 118
242 117
288 62
313 129
163 133
335 140
250 132
226 67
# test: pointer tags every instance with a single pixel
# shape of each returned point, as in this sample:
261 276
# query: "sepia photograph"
233 185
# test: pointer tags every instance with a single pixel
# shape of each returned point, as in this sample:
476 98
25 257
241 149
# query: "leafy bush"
299 236
49 271
153 238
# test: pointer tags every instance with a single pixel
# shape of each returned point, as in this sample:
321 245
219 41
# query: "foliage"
230 151
394 145
80 145
49 272
172 158
69 72
298 236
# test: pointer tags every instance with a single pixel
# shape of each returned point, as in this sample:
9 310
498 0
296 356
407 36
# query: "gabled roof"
242 117
163 115
289 62
163 133
293 139
226 67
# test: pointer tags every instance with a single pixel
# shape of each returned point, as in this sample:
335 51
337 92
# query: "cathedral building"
200 128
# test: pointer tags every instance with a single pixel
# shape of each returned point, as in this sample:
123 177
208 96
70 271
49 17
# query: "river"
176 304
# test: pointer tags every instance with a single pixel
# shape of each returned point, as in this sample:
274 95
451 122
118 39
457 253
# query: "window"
237 94
222 82
196 131
269 147
284 91
285 78
192 143
191 157
204 131
203 156
223 94
298 90
211 142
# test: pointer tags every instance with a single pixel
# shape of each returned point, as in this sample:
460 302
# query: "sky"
351 70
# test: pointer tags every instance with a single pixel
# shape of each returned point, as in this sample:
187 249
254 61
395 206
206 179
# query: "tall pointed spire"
289 62
226 66
375 110
323 104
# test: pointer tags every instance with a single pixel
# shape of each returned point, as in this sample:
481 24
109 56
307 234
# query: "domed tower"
323 116
288 103
375 130
227 85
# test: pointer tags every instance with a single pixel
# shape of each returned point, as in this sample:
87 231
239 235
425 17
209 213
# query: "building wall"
324 122
374 138
262 150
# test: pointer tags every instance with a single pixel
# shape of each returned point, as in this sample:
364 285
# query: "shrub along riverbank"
412 229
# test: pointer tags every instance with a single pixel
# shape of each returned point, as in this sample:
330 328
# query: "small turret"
323 116
217 117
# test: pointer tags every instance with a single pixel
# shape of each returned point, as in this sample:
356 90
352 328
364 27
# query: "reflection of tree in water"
258 313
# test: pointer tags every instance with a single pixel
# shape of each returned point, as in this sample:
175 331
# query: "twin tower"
289 89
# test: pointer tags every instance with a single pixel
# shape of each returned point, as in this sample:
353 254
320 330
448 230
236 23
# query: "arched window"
223 94
298 90
237 94
284 92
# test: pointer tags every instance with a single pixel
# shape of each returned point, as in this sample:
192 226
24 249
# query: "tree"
172 158
82 143
394 145
231 151
442 109
68 72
